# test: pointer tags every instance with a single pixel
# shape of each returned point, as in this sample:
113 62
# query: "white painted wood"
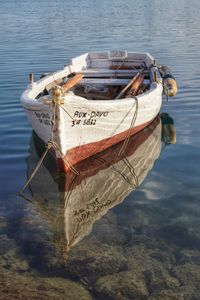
116 117
95 120
106 63
100 72
80 60
99 55
116 55
106 81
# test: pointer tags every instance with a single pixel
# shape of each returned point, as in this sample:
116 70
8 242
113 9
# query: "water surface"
146 247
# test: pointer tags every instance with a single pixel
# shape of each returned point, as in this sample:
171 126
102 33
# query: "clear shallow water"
148 247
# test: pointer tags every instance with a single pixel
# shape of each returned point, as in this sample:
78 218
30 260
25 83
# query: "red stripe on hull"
79 153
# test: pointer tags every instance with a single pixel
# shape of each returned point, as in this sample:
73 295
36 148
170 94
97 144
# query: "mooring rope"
66 111
51 144
132 171
20 193
119 172
57 102
125 143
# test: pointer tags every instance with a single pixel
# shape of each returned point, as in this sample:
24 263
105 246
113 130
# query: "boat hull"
82 127
81 152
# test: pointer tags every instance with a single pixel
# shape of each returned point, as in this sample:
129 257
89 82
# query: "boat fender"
169 82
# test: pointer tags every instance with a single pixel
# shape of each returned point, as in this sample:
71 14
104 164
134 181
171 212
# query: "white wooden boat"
116 95
71 203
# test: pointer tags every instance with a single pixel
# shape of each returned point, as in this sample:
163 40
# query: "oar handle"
129 84
135 86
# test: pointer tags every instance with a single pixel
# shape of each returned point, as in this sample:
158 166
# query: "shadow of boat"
72 203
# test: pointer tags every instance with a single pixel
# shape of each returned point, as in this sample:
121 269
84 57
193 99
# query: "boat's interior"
107 84
107 75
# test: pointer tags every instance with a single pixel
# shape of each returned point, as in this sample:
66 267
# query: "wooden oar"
129 84
72 82
135 86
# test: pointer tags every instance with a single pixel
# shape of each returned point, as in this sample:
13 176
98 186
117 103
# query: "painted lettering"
93 114
89 122
80 114
75 122
99 114
45 115
47 122
38 114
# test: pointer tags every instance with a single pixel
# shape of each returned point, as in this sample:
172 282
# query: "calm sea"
147 246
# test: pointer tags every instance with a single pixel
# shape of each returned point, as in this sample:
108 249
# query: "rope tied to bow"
57 101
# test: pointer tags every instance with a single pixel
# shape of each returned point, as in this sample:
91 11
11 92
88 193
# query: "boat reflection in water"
72 203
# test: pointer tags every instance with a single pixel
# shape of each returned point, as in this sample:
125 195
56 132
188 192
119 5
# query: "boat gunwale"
28 97
31 103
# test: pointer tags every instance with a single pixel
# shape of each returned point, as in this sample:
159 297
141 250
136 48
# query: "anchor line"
125 143
50 144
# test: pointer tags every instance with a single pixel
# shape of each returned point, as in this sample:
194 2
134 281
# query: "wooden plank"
126 67
98 55
106 63
104 72
118 54
72 82
104 81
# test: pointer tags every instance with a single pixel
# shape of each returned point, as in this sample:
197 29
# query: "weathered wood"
106 63
135 86
84 128
129 84
72 82
104 72
125 67
106 81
